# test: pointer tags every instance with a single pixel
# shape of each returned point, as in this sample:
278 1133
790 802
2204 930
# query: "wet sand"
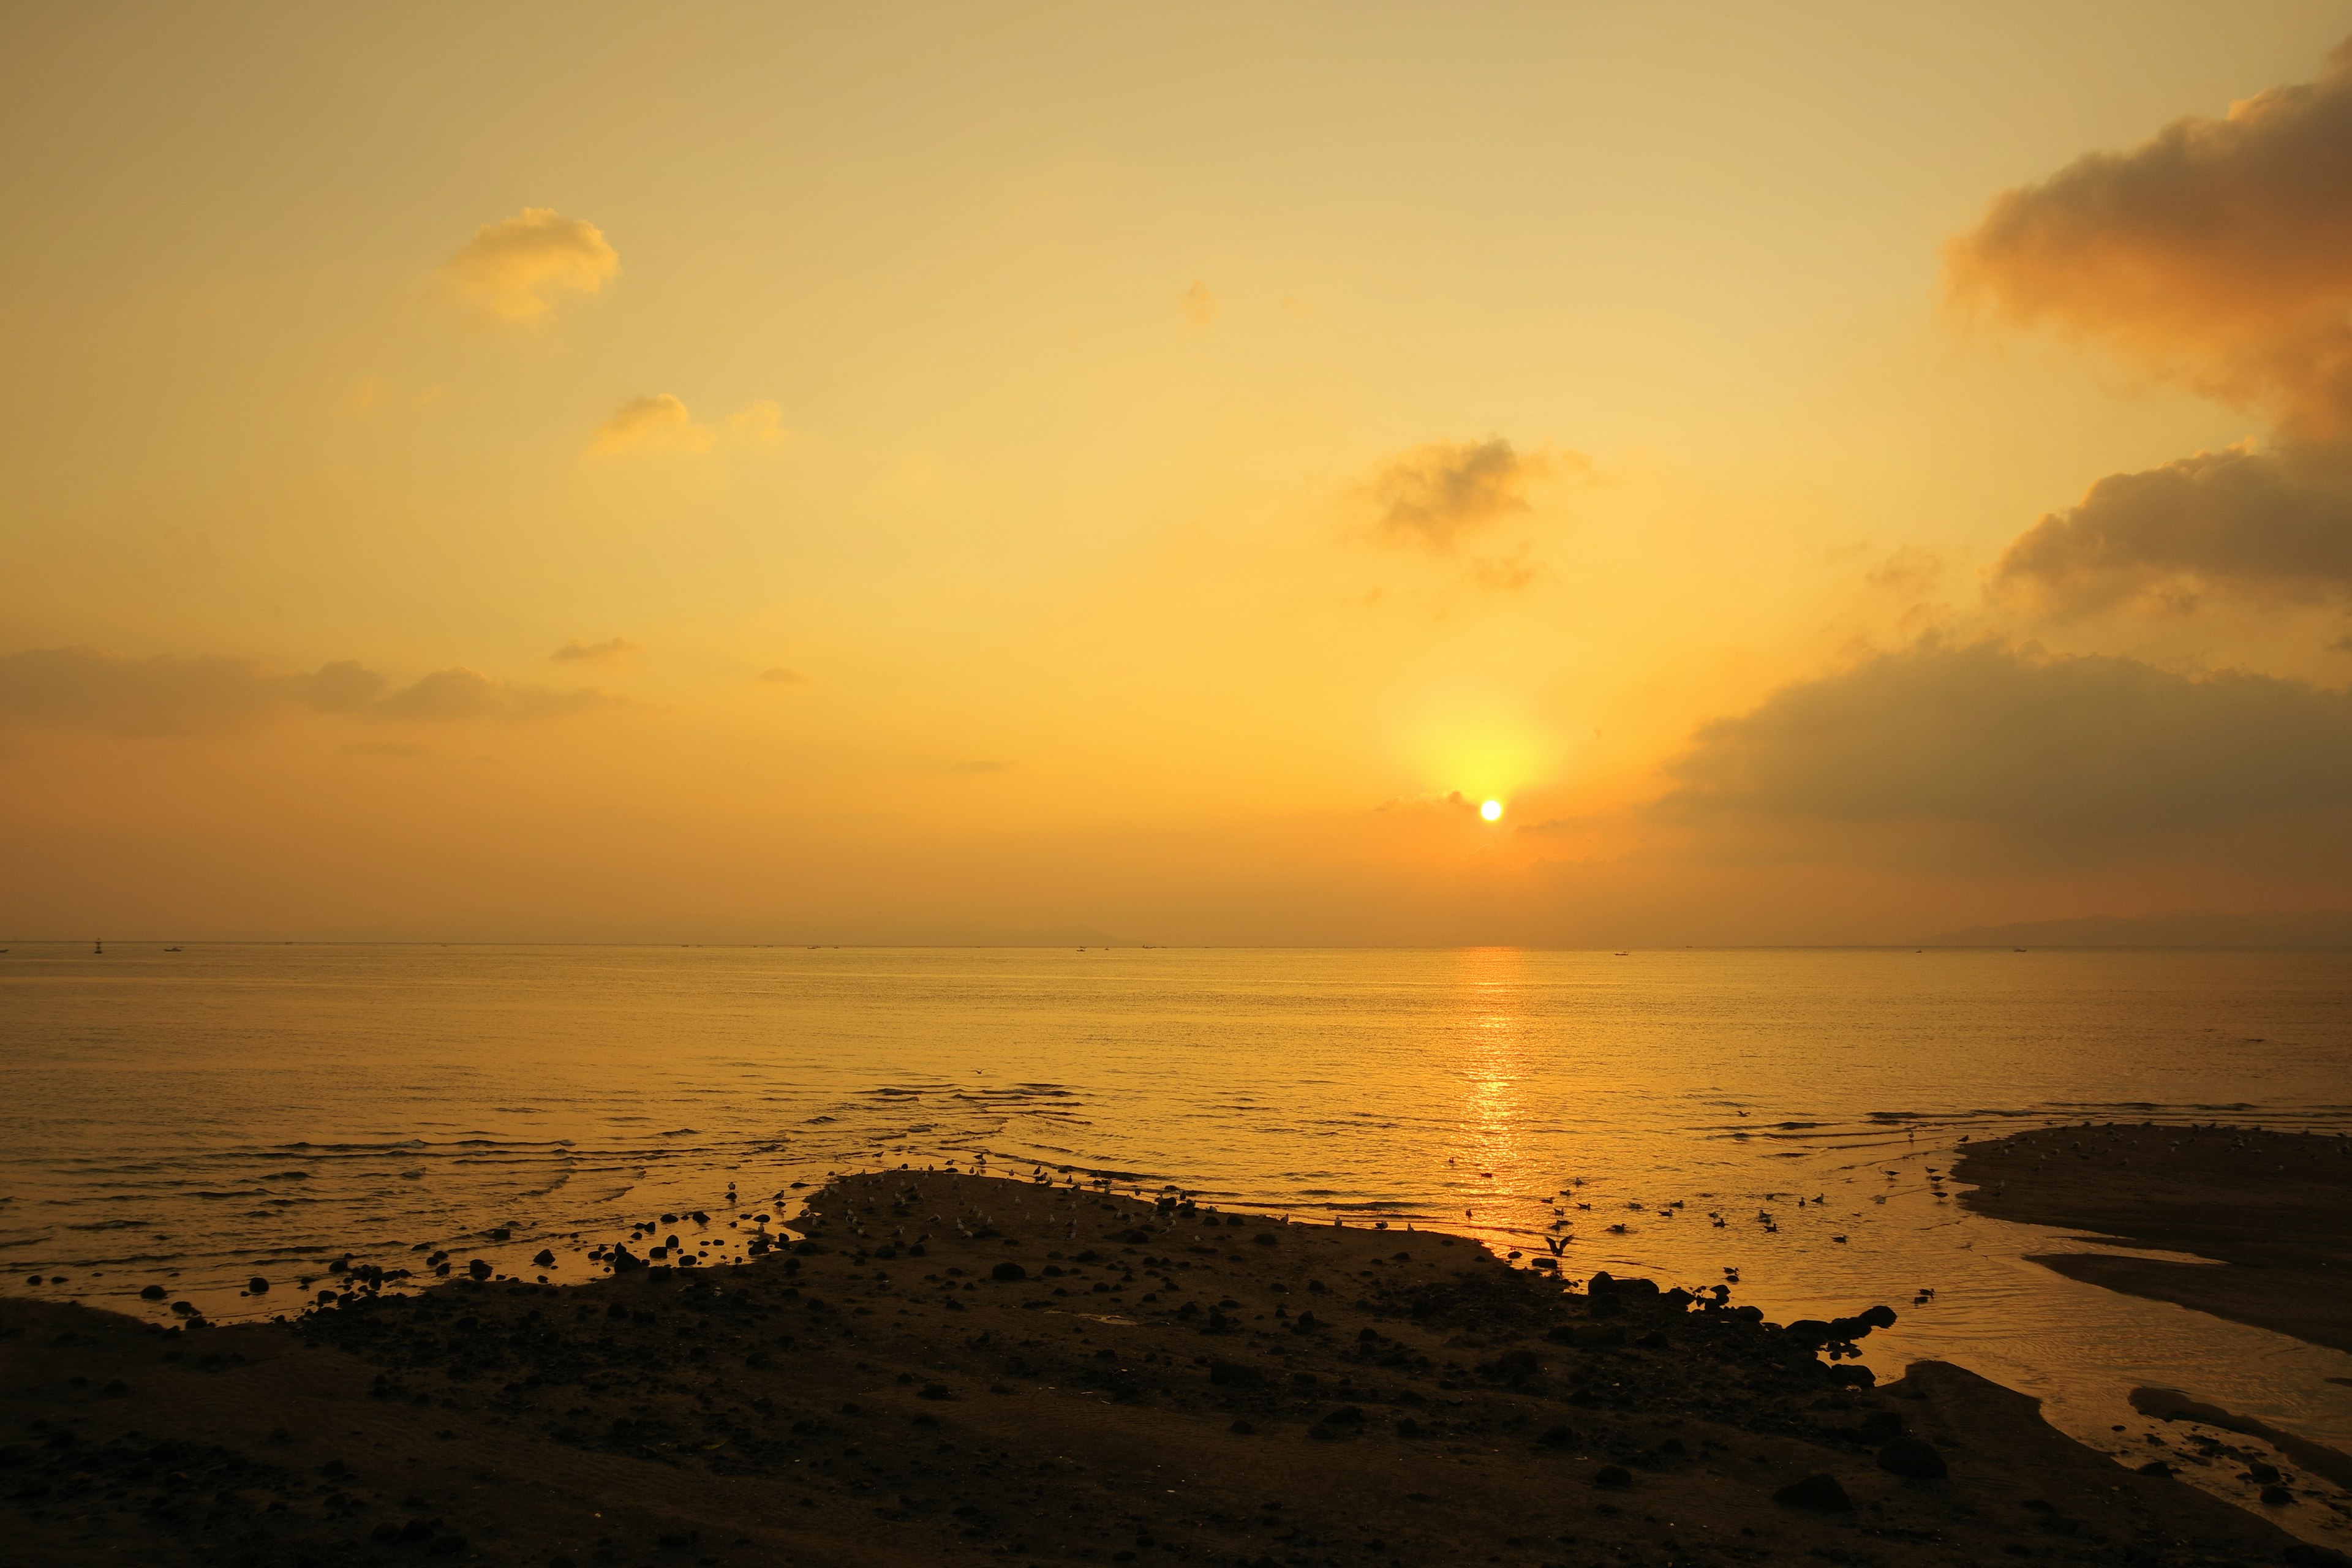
2276 1208
954 1367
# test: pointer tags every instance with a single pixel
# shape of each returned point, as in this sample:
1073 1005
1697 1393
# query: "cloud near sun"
2035 748
2219 255
89 689
1442 493
512 269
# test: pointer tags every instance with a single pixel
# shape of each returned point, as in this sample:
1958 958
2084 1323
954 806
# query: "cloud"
761 421
512 269
2034 748
1439 494
611 650
2220 251
84 688
2238 521
460 693
780 676
89 689
1197 305
2218 254
659 422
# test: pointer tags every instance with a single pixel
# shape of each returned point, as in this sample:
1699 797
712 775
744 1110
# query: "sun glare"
1492 811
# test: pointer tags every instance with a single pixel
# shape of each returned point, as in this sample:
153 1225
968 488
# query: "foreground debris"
952 1367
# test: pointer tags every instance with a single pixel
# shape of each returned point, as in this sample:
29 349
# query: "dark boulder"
1819 1492
1912 1458
1008 1271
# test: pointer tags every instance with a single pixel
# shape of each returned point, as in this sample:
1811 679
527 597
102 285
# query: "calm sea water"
193 1117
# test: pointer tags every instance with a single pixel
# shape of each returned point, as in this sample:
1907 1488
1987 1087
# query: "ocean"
196 1116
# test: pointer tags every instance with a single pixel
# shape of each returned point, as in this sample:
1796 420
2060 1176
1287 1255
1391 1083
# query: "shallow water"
195 1118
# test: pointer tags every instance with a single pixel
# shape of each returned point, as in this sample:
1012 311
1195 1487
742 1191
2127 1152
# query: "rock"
2303 1554
2156 1467
478 1268
623 1261
1008 1271
1241 1428
1912 1458
1553 1438
153 1293
1613 1475
1818 1492
1879 1317
1233 1375
1811 1333
2277 1496
1878 1426
257 1286
545 1257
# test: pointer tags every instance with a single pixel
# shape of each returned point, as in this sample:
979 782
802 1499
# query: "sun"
1492 811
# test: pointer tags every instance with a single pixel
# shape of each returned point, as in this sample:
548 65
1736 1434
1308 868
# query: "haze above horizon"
1341 474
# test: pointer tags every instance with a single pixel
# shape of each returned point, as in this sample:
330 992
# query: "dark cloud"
2235 520
87 688
2029 747
1438 494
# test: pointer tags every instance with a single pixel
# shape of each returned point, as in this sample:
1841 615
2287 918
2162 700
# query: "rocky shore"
940 1367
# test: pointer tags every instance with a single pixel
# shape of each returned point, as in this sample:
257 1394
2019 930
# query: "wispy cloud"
658 423
612 650
90 690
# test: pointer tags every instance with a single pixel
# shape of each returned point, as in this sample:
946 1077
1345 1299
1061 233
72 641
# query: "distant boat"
170 949
97 946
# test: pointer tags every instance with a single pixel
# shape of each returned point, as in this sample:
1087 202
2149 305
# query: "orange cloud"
2219 253
511 269
659 422
611 650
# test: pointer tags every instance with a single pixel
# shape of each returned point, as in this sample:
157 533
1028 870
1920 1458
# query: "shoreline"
2269 1209
948 1366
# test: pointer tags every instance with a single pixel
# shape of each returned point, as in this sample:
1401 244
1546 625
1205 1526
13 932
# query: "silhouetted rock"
1912 1458
1819 1492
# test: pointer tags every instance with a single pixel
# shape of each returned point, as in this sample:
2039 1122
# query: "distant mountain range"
2320 928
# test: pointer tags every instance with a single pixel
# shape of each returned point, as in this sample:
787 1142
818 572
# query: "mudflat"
2275 1207
943 1367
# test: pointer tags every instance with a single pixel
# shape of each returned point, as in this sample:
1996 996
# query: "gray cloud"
1436 495
87 688
2035 748
2237 521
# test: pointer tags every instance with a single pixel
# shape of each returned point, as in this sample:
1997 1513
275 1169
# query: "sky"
1058 472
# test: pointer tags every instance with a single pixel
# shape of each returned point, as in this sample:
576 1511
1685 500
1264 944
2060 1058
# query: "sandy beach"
2269 1206
947 1367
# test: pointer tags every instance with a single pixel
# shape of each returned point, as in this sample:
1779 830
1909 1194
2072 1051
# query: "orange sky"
1048 472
